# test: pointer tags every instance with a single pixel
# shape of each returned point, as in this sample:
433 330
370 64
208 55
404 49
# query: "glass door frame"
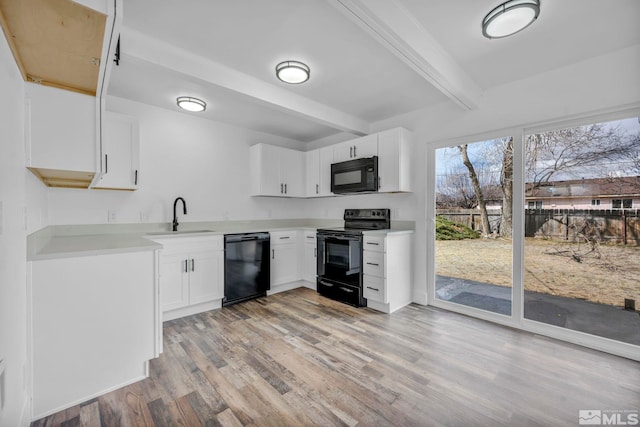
516 320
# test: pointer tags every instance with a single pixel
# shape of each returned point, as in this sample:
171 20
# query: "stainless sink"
172 233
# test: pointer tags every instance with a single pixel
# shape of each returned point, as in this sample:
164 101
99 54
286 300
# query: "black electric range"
339 271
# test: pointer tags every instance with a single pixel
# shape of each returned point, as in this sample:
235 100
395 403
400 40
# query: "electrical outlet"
113 215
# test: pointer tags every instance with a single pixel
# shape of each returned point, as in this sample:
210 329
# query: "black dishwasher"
246 266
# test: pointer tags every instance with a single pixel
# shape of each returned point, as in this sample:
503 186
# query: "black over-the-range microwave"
355 176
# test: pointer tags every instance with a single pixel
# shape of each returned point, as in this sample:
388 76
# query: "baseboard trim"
86 398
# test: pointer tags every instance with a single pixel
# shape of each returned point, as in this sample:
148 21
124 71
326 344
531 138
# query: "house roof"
628 186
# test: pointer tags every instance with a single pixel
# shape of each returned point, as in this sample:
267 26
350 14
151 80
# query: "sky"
449 159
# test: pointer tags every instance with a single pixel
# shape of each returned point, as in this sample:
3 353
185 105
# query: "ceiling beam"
396 29
156 52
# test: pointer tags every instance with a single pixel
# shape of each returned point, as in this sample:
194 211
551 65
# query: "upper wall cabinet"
276 171
69 64
60 136
120 152
366 146
394 161
318 168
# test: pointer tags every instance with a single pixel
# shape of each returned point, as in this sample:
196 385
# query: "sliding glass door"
582 229
474 205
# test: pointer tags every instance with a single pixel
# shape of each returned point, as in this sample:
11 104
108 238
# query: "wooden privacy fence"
620 226
609 226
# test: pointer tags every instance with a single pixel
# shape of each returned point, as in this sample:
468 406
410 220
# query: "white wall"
22 210
205 162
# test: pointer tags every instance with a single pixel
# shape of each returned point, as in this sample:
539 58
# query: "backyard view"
581 227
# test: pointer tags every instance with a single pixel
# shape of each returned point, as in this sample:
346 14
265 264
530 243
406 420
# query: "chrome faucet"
175 217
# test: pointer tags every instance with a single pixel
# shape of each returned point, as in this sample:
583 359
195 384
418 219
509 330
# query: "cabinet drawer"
373 243
374 288
310 237
283 237
373 263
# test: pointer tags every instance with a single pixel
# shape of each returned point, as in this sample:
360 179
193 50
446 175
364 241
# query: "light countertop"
100 239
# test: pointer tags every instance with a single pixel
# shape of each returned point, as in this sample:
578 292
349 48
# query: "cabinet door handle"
273 254
354 151
373 243
373 289
315 252
193 264
281 188
350 152
285 237
317 189
135 178
106 163
186 265
374 264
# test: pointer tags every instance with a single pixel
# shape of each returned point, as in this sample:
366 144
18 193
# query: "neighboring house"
596 193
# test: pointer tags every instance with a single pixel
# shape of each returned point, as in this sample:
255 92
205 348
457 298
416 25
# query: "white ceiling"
370 59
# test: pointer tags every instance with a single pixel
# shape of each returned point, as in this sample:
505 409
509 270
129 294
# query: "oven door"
340 258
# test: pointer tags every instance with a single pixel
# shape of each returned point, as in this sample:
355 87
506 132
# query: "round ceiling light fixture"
509 18
293 72
191 104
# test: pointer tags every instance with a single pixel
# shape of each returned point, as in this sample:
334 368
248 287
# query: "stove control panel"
371 214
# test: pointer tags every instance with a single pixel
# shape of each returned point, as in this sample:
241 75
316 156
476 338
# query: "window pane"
473 248
582 258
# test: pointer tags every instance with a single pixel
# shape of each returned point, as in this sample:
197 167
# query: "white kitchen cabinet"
94 325
276 171
284 257
394 160
318 171
120 152
60 136
366 146
310 254
386 259
191 274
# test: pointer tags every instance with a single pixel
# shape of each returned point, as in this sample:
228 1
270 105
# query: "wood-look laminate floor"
298 359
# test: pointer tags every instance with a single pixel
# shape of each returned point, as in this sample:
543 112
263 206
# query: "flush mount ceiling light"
191 104
509 18
292 72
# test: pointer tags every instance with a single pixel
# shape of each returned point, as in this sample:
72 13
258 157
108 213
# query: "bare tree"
455 190
635 154
484 218
575 150
506 183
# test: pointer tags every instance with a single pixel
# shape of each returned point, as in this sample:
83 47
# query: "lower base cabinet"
284 257
191 275
94 326
310 257
387 267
